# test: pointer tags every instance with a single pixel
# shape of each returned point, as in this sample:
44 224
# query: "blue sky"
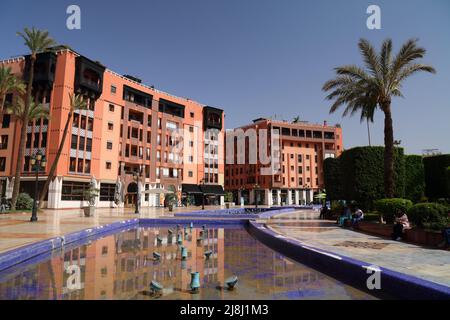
256 57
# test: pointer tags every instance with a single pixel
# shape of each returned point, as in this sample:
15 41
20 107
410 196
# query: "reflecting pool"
122 266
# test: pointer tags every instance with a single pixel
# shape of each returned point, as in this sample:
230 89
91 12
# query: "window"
111 107
191 143
36 140
107 191
73 164
81 144
76 119
192 114
4 141
108 165
307 157
113 89
87 166
80 166
28 143
83 122
109 145
73 191
88 144
73 144
26 164
191 129
190 174
6 120
300 170
110 126
149 121
2 163
44 140
191 159
90 125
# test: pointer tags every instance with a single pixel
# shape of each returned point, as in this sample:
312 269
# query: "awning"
190 188
212 189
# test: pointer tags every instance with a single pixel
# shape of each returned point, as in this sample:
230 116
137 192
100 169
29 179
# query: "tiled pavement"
426 263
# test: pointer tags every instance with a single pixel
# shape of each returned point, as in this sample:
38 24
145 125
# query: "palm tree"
296 119
77 102
365 89
37 41
19 111
9 83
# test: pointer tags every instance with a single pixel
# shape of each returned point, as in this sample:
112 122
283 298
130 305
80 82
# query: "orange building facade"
300 151
132 141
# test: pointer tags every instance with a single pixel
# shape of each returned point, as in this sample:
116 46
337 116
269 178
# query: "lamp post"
38 161
138 195
255 190
203 193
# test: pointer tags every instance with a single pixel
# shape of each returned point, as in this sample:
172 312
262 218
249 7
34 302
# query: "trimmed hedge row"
358 175
436 178
414 178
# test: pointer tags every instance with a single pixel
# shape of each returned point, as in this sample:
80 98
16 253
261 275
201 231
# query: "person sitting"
401 224
323 212
357 216
347 215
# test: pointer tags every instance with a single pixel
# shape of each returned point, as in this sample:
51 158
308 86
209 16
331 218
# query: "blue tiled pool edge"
353 271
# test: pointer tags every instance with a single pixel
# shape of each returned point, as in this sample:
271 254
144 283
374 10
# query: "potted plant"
228 199
171 199
90 196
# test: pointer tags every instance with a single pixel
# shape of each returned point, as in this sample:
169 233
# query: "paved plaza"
426 263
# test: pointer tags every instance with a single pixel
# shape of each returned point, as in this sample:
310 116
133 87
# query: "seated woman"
358 216
401 224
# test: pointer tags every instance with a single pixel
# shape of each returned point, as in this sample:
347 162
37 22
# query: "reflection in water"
121 266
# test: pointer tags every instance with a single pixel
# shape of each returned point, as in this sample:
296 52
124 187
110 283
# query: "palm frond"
370 57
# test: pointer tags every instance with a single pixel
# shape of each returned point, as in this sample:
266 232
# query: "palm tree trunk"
23 135
51 174
368 132
388 152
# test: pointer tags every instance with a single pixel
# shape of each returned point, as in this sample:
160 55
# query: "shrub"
24 202
332 178
414 178
362 174
429 215
228 197
389 207
436 183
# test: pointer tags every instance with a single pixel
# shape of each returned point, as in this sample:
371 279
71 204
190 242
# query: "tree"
37 41
19 111
372 87
77 102
296 119
9 83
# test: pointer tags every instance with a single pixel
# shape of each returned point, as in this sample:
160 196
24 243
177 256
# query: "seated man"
401 224
357 216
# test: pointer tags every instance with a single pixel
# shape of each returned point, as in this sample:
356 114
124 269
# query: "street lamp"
255 190
38 161
138 195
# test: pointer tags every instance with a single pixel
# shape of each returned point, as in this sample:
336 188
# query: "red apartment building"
130 130
302 150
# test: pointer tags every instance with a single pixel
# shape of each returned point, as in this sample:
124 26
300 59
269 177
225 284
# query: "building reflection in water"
121 266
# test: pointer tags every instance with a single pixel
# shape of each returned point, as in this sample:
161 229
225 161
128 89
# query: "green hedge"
362 174
389 207
436 183
414 178
429 215
332 178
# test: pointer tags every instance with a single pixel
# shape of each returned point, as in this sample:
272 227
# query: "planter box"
89 211
415 235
